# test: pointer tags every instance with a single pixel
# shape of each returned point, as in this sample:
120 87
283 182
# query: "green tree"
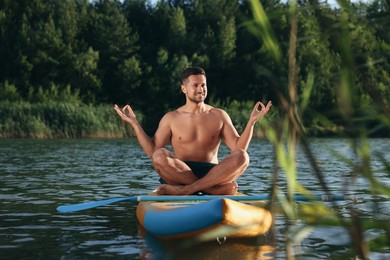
364 67
79 60
43 46
119 65
315 56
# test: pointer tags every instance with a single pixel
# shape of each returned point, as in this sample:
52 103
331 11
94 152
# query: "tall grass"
287 132
21 119
64 119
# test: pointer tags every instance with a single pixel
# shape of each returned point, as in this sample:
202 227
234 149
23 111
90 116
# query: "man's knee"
242 157
160 156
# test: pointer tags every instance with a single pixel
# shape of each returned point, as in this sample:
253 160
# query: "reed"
22 119
288 132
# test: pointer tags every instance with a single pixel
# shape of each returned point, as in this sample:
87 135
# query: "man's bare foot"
223 189
167 189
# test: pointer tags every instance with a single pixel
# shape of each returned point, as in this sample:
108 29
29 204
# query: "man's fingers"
258 104
124 108
262 106
122 111
263 110
117 109
128 108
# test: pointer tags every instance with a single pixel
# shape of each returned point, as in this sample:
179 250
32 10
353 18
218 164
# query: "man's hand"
126 113
257 114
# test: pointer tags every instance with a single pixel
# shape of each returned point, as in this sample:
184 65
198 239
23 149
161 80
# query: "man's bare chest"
196 129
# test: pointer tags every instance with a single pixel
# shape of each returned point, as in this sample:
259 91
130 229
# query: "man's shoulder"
218 111
170 114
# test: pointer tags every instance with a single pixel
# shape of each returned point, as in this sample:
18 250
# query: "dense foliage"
59 120
132 51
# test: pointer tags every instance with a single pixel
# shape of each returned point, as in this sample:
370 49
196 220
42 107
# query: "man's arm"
246 136
163 133
233 140
127 114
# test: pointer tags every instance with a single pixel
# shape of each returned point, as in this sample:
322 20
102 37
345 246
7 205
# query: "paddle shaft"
94 204
232 197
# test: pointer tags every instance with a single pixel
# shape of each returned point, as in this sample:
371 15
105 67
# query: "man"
195 131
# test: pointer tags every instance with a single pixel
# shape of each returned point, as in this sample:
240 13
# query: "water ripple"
39 175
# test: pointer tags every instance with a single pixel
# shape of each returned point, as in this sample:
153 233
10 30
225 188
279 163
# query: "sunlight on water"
39 175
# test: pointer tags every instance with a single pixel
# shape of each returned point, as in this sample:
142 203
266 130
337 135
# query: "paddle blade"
91 204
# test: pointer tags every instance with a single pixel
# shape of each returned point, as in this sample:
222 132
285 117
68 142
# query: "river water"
39 175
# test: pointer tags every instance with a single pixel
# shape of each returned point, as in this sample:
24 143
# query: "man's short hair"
191 71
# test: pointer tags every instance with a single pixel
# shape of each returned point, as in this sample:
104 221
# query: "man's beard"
197 99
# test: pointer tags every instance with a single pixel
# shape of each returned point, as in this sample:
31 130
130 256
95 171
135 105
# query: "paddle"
94 204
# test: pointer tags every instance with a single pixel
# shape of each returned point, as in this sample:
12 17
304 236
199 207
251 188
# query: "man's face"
195 88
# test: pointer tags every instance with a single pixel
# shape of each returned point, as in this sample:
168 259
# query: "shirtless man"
195 131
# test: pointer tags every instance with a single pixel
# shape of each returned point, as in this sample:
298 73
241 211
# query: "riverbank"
48 120
60 120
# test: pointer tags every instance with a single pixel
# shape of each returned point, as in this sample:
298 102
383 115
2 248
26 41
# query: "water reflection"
39 175
250 248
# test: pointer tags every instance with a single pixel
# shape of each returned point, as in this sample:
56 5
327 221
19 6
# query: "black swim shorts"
200 169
